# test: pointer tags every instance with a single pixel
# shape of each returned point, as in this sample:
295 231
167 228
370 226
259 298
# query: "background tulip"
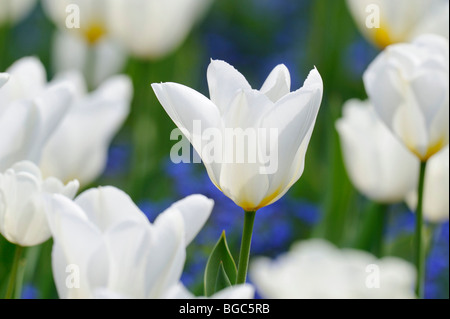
408 86
399 20
378 165
152 28
12 11
436 200
78 148
114 246
233 104
315 269
23 219
30 111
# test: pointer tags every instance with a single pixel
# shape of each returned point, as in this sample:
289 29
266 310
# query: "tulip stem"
14 271
419 249
244 254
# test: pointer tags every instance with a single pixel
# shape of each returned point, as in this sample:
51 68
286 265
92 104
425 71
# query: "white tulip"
98 62
385 22
79 146
409 87
154 28
436 189
251 182
13 11
23 219
103 242
30 111
88 19
378 165
315 269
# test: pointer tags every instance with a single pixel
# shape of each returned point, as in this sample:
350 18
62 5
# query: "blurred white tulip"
378 165
107 244
89 47
153 28
436 189
13 11
315 269
30 111
88 19
23 220
235 105
386 22
79 146
98 62
408 85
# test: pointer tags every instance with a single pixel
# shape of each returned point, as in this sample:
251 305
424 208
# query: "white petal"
195 210
4 77
294 116
224 82
87 131
245 291
108 206
76 241
277 84
188 108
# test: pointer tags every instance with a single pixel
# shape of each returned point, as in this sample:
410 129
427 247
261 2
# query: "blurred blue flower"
29 292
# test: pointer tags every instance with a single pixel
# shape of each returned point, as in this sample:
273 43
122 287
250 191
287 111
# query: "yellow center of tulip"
250 207
382 37
432 150
94 33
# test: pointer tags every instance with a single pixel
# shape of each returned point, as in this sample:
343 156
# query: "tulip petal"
109 206
4 77
224 81
195 210
192 112
95 118
294 116
168 253
277 84
76 241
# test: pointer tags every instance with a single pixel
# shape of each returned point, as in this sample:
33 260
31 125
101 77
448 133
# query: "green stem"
246 242
419 249
13 276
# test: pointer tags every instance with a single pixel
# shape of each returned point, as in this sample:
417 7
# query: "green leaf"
222 280
219 259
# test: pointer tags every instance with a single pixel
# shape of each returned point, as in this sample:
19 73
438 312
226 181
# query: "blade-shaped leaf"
219 258
222 280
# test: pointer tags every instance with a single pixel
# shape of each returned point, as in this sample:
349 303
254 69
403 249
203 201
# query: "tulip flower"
315 269
84 39
13 11
152 28
86 18
22 213
103 242
408 86
260 173
30 111
436 189
378 165
234 104
386 22
79 146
